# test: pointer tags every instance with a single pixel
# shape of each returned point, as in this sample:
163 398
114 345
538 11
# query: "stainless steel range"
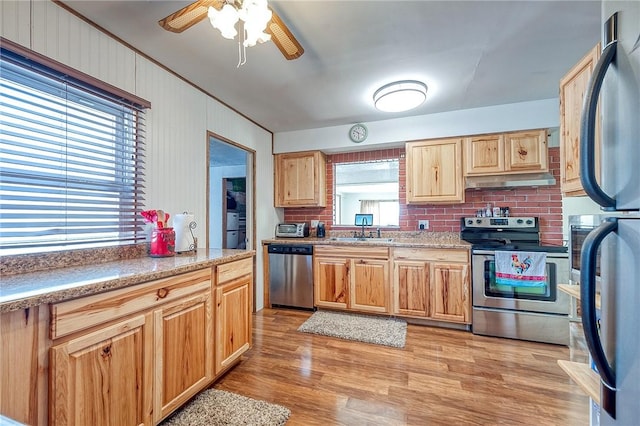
516 309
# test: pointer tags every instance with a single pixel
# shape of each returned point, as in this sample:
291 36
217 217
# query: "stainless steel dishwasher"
291 275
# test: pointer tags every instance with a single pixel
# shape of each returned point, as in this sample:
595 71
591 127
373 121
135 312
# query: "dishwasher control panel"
290 248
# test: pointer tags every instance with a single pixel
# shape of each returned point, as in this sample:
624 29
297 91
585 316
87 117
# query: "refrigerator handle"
588 126
588 259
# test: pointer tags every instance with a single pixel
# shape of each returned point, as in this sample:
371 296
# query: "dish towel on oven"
520 268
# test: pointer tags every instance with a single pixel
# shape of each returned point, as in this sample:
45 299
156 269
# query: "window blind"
71 161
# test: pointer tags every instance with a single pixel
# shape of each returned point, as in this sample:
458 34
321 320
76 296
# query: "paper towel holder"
193 246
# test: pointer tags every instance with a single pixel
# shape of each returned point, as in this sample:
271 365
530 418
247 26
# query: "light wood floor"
442 376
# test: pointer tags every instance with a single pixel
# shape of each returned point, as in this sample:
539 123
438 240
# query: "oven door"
546 299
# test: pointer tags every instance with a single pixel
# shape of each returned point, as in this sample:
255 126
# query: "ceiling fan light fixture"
276 30
256 15
224 20
400 96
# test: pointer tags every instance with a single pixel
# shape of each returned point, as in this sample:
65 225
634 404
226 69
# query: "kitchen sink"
361 239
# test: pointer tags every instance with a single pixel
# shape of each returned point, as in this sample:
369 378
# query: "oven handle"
588 258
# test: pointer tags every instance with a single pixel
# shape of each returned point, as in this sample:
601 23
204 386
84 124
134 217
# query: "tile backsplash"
544 202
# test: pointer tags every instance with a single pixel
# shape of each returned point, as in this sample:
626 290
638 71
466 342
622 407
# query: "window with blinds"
71 161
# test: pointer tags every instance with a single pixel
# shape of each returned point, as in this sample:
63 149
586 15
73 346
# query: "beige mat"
214 407
362 328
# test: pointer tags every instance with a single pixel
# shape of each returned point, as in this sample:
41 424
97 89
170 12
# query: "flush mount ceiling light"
400 96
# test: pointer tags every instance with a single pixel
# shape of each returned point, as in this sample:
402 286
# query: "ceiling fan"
190 15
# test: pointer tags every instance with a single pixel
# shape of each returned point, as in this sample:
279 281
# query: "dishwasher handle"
300 249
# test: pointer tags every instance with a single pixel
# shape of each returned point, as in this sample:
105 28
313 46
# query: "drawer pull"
162 293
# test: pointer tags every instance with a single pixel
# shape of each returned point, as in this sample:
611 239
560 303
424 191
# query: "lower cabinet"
450 295
234 298
104 377
131 356
352 278
24 350
412 288
432 283
183 332
369 285
330 281
424 282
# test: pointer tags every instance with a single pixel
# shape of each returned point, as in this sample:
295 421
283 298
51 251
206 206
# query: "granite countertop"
443 240
20 291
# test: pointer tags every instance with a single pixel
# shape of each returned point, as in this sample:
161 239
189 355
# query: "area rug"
215 407
362 328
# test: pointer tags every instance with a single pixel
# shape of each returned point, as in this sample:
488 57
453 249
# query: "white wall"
520 116
177 122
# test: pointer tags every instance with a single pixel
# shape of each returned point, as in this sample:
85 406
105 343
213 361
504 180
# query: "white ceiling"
470 53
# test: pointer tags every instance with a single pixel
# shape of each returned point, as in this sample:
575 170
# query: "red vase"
163 243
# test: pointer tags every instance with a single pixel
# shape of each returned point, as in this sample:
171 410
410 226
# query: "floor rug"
214 407
361 328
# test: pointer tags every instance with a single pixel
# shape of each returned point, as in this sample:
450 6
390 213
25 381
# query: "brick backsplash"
544 202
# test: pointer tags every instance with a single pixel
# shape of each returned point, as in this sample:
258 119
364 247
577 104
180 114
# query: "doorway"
230 195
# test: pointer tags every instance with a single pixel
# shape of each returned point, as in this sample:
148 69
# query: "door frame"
251 199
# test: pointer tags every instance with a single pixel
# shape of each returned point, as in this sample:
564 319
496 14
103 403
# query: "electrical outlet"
423 224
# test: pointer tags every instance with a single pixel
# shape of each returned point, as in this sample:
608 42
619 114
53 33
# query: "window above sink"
367 187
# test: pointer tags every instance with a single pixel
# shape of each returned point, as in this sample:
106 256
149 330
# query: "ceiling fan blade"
283 39
189 15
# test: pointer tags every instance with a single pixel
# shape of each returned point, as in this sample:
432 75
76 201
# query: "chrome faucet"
362 234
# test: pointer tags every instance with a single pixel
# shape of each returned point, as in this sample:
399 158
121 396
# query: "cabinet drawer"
448 255
352 251
232 270
85 312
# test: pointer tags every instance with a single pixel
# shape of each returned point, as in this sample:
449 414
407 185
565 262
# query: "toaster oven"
292 230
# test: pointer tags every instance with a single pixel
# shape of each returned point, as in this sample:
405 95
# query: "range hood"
509 181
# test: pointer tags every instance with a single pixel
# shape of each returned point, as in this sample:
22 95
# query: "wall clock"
358 133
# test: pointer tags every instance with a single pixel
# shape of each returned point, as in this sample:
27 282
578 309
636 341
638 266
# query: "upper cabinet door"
573 87
526 151
484 154
300 179
434 171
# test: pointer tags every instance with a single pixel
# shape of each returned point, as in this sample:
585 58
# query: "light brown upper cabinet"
526 151
506 153
484 154
434 171
300 179
573 87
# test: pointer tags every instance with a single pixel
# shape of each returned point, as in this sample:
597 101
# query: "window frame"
118 159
